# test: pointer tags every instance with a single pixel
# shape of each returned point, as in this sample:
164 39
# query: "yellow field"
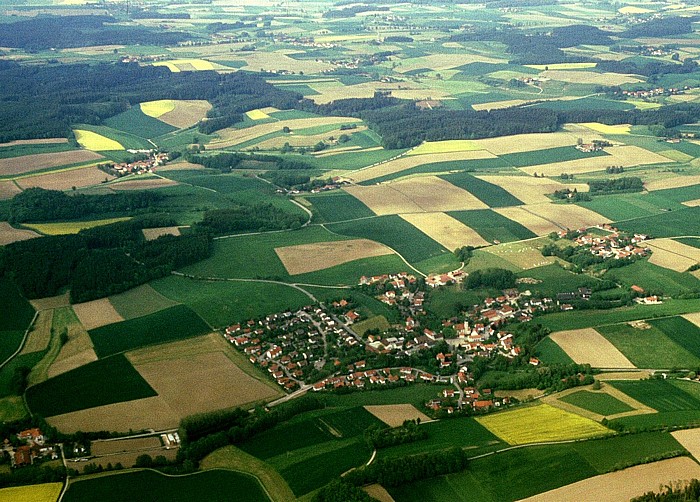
675 182
676 155
394 414
178 65
589 77
673 255
71 227
529 142
647 105
47 492
562 66
96 142
446 230
629 9
157 108
540 423
531 221
608 129
448 146
587 346
567 215
257 115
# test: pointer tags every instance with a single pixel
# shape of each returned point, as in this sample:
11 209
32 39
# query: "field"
531 190
522 255
534 223
597 402
448 146
394 415
135 121
681 331
78 177
551 353
151 234
492 226
218 484
179 113
304 258
490 194
96 142
8 190
674 182
444 229
47 492
587 346
178 65
540 423
338 206
655 279
567 215
671 224
632 205
690 439
40 333
9 234
96 313
668 253
607 129
157 108
70 227
103 382
557 155
140 301
661 395
78 350
174 323
40 161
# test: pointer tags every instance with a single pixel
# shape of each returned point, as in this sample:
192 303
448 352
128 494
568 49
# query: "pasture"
134 121
588 346
549 352
600 403
444 229
304 258
685 221
522 255
631 205
71 227
492 226
43 161
655 279
46 492
540 423
681 331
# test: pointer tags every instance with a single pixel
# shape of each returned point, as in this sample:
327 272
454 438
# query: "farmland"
655 279
493 226
72 227
597 402
138 302
444 229
587 346
96 142
47 492
304 258
42 161
490 194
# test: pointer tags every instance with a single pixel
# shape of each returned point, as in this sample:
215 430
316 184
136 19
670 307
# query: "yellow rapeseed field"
608 129
157 108
47 492
96 142
70 227
257 115
541 423
448 146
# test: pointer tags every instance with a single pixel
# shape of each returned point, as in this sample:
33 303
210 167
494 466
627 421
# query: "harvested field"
52 302
196 376
447 146
40 333
630 155
65 180
142 184
532 190
439 62
28 163
587 346
410 161
675 182
101 448
673 255
446 230
147 413
529 142
140 301
181 166
279 60
9 234
231 137
96 313
567 215
532 222
186 113
298 140
8 190
692 203
690 439
625 484
378 492
394 415
321 255
152 234
178 65
694 318
421 194
94 141
589 77
521 255
578 166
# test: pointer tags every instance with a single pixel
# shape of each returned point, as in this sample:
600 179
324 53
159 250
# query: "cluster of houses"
452 401
142 166
454 277
613 245
652 93
33 448
360 378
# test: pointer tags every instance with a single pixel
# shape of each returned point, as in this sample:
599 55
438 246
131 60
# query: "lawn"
135 122
174 323
377 322
655 279
493 226
338 206
218 485
488 193
671 224
108 381
597 402
548 156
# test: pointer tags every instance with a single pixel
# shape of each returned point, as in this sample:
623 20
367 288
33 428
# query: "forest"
256 217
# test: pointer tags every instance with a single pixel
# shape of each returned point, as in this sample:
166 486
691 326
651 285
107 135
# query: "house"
23 456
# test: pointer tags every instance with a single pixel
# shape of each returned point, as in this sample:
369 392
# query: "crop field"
70 227
40 161
529 220
549 352
47 492
522 255
607 129
151 234
680 330
96 142
447 146
140 301
559 154
540 423
597 402
631 205
567 215
185 113
654 278
218 484
490 194
531 190
51 302
66 179
394 415
304 258
528 142
135 121
661 395
589 77
178 65
174 323
553 279
674 182
125 139
8 190
157 108
579 166
492 226
96 313
338 206
103 382
672 224
40 333
445 230
9 234
647 346
690 440
587 346
668 253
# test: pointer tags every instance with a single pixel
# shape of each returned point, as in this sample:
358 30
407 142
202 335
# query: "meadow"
107 381
493 226
174 323
685 221
338 206
472 165
630 206
681 331
21 150
662 395
655 279
554 279
489 194
551 353
140 301
348 274
596 402
135 122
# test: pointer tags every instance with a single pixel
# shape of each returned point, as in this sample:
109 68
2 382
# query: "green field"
128 141
138 302
655 279
631 205
681 194
661 395
218 485
548 156
17 312
173 323
488 193
338 206
689 241
444 167
493 226
135 122
597 402
681 331
349 273
554 279
20 361
352 160
648 348
551 353
672 224
7 152
108 381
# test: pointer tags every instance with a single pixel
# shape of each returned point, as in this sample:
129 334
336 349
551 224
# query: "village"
147 161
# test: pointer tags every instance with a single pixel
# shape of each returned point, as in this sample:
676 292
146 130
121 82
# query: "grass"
661 395
554 279
493 226
597 402
551 353
681 331
46 492
373 323
416 394
12 408
689 241
488 193
218 485
454 145
174 323
548 156
135 122
655 279
70 227
352 160
7 152
7 387
349 273
540 423
111 380
648 348
671 224
338 206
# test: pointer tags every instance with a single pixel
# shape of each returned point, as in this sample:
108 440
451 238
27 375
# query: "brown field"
8 190
331 91
419 194
29 163
589 77
101 448
52 302
673 255
439 62
9 234
378 492
47 141
690 440
624 484
521 255
205 382
409 161
587 346
531 190
675 182
186 113
230 137
443 228
142 184
148 413
96 313
694 318
578 166
538 225
567 215
65 180
394 415
321 255
279 60
152 234
497 105
40 333
630 155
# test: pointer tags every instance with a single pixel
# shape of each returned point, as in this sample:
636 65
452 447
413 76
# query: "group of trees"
628 184
256 217
225 162
497 278
377 436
